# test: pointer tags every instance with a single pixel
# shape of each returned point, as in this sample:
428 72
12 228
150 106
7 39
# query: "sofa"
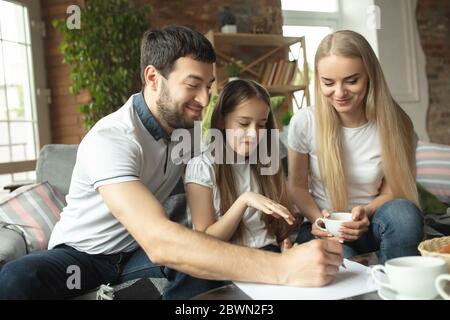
433 181
54 169
53 173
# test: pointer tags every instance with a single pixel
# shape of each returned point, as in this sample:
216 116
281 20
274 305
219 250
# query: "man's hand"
312 264
353 230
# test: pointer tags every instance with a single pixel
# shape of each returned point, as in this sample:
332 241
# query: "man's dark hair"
161 48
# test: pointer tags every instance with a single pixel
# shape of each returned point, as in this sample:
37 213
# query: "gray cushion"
55 165
12 245
32 210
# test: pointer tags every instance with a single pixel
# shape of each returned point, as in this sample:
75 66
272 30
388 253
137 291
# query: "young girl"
236 202
355 151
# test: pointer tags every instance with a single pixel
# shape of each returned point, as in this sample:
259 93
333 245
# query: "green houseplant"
286 118
234 68
104 54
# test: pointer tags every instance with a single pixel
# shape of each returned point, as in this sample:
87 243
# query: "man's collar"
147 118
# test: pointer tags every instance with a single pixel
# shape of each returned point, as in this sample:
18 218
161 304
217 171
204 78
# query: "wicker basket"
431 248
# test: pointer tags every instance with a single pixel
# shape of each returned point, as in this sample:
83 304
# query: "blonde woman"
355 151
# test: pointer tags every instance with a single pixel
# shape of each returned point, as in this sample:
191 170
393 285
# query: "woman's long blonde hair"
271 186
395 128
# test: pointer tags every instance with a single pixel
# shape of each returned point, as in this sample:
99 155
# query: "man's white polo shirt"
126 145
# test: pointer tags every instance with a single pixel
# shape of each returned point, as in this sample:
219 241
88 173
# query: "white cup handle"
318 226
379 268
440 283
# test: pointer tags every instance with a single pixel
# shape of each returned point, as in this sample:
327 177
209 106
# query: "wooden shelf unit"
269 49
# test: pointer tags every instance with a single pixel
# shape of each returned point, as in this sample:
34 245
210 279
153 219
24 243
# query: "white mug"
441 282
411 277
333 222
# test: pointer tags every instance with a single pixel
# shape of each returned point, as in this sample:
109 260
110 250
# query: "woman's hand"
353 230
267 206
320 233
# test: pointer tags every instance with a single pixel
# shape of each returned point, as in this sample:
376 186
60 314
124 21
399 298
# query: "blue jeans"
184 286
46 274
396 229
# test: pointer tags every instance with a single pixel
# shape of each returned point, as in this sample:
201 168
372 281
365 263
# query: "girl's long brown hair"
272 186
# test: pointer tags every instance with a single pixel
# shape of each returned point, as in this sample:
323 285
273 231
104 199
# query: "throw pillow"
433 169
32 211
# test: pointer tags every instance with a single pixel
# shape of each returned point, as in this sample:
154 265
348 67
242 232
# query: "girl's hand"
353 230
267 206
287 244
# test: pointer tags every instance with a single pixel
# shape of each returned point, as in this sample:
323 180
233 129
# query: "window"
314 20
20 52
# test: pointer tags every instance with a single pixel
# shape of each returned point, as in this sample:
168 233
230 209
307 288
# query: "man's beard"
172 112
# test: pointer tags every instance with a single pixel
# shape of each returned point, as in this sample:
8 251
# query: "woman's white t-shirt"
362 152
200 170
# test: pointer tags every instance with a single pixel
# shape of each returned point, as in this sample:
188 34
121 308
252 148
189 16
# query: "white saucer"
388 294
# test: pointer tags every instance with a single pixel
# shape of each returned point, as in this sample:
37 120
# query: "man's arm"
170 244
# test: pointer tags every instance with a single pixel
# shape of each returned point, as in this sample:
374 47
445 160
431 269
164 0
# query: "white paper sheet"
349 282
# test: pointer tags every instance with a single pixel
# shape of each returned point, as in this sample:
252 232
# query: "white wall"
403 59
355 16
398 48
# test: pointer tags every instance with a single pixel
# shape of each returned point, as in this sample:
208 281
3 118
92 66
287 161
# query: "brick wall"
203 15
66 121
433 19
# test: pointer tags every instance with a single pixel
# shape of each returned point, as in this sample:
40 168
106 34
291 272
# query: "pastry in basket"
445 249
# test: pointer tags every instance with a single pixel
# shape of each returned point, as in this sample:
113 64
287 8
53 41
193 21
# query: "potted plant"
286 119
234 69
228 21
104 54
276 102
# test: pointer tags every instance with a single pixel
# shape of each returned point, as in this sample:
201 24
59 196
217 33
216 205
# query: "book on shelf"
272 73
266 73
283 77
279 72
290 72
